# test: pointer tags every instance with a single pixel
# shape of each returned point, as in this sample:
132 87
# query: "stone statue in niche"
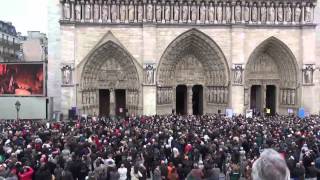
149 12
131 12
254 12
87 11
238 74
202 12
211 13
263 13
308 74
105 12
219 12
176 12
246 13
238 12
185 12
194 12
167 12
228 13
114 12
288 13
78 11
297 13
308 13
96 13
158 12
271 13
149 74
66 72
140 12
280 13
66 10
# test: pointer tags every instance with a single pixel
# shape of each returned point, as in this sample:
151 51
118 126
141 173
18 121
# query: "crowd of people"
211 147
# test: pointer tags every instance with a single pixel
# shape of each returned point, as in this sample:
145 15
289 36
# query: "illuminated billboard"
21 79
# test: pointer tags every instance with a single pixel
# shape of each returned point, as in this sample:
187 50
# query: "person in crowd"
270 165
162 147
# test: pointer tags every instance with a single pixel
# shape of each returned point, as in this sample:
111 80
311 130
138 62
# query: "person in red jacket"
26 174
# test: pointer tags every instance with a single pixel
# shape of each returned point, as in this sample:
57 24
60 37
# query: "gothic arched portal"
109 81
193 59
271 78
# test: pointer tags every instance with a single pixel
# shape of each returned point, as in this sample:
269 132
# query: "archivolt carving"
193 58
110 67
272 61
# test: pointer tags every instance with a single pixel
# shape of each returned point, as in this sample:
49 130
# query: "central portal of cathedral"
192 76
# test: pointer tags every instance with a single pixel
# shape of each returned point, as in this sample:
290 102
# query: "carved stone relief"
237 74
196 11
149 74
308 70
66 74
287 96
217 94
164 95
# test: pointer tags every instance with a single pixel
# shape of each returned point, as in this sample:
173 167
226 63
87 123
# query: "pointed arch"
204 49
273 52
109 66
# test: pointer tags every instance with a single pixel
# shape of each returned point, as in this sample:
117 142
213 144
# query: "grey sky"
25 15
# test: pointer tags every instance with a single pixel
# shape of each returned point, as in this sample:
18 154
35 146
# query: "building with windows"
9 43
34 46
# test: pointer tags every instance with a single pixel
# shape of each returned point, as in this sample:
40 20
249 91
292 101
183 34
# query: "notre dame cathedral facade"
188 56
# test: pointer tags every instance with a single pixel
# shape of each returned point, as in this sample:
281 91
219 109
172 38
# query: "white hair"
270 165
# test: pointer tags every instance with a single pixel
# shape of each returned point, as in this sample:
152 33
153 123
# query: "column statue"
66 11
246 13
297 13
211 13
238 12
194 12
308 13
122 12
131 17
272 13
202 13
167 12
96 12
114 13
185 13
228 13
280 13
140 12
263 13
288 13
149 12
158 12
176 12
219 13
78 11
254 13
87 11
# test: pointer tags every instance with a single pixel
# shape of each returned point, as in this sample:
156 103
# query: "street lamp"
17 104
